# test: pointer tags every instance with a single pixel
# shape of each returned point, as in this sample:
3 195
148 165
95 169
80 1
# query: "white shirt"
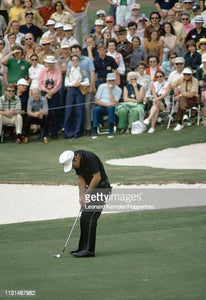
34 75
174 75
72 41
74 75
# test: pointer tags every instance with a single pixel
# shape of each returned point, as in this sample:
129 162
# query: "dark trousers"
53 117
184 104
62 100
42 122
100 111
74 113
88 226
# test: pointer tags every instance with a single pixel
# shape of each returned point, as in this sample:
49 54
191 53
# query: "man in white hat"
106 98
91 178
49 30
199 31
68 35
50 81
98 26
188 95
23 94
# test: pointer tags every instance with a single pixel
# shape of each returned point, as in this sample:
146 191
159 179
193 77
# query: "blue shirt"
103 93
86 64
166 67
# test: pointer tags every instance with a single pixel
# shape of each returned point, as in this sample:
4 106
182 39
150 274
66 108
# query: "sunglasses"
187 74
75 59
28 39
133 79
152 61
154 18
160 76
184 19
34 59
68 30
173 57
179 64
1 43
109 21
10 91
132 29
101 16
200 44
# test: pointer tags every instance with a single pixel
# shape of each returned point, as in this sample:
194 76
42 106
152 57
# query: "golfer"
91 179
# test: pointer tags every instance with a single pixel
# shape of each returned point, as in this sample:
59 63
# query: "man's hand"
8 113
77 83
82 200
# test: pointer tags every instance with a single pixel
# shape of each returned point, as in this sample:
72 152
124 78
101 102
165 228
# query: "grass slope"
38 163
146 255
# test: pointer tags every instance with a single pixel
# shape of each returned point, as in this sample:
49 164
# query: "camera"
49 84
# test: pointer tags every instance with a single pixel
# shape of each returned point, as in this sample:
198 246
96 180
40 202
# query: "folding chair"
4 130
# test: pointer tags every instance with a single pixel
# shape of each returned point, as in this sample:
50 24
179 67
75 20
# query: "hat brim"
67 167
50 62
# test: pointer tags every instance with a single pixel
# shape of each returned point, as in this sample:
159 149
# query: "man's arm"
82 189
9 55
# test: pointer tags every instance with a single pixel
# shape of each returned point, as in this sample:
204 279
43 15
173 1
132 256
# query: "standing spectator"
15 29
178 27
91 49
79 9
28 7
163 6
112 9
185 20
169 64
50 29
60 15
59 32
46 10
111 51
68 35
74 112
98 26
101 14
37 111
29 46
14 12
138 53
2 26
46 43
29 27
50 80
103 64
192 57
155 19
132 30
34 71
123 11
106 98
17 66
4 8
10 111
154 46
168 39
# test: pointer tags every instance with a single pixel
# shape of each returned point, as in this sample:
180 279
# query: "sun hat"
58 25
22 81
101 12
204 58
199 19
67 27
99 22
188 1
50 59
179 59
178 7
136 6
66 159
45 41
201 41
187 71
50 22
109 18
111 76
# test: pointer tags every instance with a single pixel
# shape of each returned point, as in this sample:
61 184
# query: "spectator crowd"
57 76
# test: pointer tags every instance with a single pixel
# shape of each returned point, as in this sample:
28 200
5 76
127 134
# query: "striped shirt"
13 104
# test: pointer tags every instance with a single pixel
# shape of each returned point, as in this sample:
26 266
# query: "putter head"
57 256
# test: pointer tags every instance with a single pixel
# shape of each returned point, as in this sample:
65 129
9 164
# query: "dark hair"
29 13
34 54
10 34
55 5
1 39
18 48
100 46
154 56
74 55
171 28
190 43
89 36
170 53
132 23
10 85
155 13
111 40
142 63
150 34
76 46
161 72
136 37
31 3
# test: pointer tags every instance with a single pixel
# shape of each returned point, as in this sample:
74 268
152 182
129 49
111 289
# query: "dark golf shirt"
194 35
90 164
35 30
104 66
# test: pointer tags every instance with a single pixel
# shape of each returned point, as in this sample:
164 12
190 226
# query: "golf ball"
58 255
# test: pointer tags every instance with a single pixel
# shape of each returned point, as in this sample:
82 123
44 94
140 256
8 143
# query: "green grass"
145 255
38 163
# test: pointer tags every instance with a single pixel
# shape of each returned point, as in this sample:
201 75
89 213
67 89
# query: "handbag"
84 89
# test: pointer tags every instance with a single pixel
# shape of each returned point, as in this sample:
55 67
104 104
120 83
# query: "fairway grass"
146 255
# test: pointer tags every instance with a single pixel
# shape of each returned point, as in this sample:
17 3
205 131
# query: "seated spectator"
201 77
132 109
106 98
23 94
75 80
116 32
68 35
199 31
201 46
29 46
185 20
28 7
197 11
37 112
29 27
154 46
187 95
138 53
144 80
10 111
15 29
59 31
50 29
169 65
50 80
132 30
177 73
103 64
91 49
153 67
168 39
17 66
155 19
111 51
34 71
61 15
192 57
160 90
38 49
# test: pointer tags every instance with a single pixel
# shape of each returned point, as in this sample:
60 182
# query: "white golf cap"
22 81
101 12
187 71
50 22
99 22
50 59
188 1
67 27
66 159
65 45
58 25
111 76
136 6
179 59
199 19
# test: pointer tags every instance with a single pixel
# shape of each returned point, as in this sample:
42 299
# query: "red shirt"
45 12
77 5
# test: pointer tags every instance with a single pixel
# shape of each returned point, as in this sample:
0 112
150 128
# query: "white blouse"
76 74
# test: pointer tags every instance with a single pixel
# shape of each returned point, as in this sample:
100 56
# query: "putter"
59 255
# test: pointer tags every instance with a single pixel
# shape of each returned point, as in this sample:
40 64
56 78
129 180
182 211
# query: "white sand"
186 157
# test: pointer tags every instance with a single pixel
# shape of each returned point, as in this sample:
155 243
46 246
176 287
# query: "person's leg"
69 113
77 19
79 114
84 22
1 125
133 116
122 115
87 113
18 124
97 112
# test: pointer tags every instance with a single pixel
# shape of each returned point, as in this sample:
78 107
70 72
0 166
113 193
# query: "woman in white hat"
77 83
50 80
